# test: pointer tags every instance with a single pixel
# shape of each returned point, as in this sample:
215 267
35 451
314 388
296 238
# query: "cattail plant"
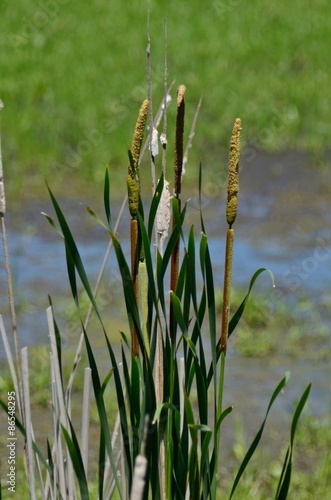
231 213
133 184
177 190
170 444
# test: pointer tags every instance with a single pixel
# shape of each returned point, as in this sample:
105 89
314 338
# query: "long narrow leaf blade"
258 436
285 478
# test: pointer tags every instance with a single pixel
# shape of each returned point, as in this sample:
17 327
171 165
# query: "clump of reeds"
163 444
178 167
133 183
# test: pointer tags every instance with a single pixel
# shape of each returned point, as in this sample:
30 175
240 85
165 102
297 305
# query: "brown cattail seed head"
179 137
233 183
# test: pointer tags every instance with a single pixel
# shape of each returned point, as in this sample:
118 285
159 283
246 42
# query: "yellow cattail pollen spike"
233 183
139 132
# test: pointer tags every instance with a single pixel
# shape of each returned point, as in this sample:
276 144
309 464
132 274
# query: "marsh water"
283 223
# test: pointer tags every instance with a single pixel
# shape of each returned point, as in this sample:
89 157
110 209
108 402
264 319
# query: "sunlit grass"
67 93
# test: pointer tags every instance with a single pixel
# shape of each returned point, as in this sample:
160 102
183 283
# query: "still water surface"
283 223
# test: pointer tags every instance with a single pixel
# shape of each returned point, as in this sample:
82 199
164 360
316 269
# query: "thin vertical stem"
150 96
10 284
227 289
177 189
134 273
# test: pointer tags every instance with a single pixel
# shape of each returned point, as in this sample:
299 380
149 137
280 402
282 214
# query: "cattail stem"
179 138
134 273
231 214
177 189
174 275
144 304
133 183
226 290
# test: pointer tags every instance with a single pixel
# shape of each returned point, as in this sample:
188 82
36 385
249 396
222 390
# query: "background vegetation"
74 72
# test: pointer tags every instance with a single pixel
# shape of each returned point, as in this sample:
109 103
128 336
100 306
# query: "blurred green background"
73 75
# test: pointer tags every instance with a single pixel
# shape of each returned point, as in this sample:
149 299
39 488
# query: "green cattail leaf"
186 271
200 427
285 477
202 393
154 206
129 295
208 280
159 278
146 243
163 406
171 245
258 436
50 459
135 392
179 216
191 346
197 336
106 197
77 461
58 342
178 313
182 283
101 462
96 218
193 457
74 260
53 224
236 317
192 267
125 340
98 394
224 414
106 380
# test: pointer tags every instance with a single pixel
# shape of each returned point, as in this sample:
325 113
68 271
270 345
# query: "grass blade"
258 436
77 460
285 478
236 317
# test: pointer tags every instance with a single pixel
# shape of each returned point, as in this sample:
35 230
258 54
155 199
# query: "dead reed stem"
10 285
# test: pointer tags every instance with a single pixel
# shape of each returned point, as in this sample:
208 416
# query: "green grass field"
73 75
